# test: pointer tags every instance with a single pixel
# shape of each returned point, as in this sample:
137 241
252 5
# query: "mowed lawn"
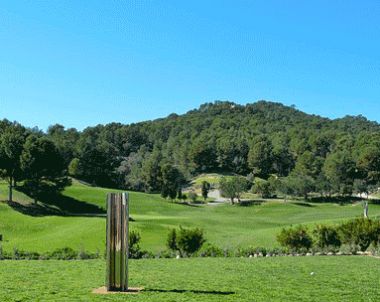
349 278
224 225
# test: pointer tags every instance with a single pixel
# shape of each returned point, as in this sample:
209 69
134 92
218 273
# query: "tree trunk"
232 200
10 193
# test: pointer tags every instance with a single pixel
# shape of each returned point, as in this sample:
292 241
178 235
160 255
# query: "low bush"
134 249
361 232
185 241
295 239
65 253
250 251
166 254
210 250
326 237
58 254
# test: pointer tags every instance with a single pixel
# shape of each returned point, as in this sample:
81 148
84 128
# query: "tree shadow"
184 203
374 201
341 200
58 205
181 291
303 204
253 202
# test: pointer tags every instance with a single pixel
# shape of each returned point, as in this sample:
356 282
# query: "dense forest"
262 139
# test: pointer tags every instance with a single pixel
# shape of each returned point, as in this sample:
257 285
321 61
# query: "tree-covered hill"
262 139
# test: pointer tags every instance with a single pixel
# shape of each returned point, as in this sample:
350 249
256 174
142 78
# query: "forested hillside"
259 139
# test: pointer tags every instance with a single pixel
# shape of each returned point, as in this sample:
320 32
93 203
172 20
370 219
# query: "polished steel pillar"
117 242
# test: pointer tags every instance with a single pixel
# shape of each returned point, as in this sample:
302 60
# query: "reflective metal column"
117 242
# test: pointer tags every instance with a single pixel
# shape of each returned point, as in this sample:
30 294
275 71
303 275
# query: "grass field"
224 225
353 278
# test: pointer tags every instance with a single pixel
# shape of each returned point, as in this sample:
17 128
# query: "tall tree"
205 189
11 145
172 180
369 163
340 170
43 167
232 187
260 156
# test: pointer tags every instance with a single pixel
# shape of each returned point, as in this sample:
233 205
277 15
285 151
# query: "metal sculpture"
117 242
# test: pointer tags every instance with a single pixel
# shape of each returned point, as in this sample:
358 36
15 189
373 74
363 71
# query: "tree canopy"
262 138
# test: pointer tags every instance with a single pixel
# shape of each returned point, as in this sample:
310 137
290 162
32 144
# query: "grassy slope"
199 279
224 225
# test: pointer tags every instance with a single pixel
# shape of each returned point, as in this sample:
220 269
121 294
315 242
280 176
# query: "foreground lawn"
282 279
225 226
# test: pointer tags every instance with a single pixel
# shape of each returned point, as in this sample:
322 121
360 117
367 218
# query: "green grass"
224 225
353 278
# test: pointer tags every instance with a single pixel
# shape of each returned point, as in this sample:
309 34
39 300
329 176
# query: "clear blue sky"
81 63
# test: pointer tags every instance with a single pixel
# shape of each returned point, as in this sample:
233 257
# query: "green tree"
340 170
11 146
308 165
172 180
64 140
263 188
203 154
43 167
369 164
260 156
300 185
152 172
74 167
232 187
205 189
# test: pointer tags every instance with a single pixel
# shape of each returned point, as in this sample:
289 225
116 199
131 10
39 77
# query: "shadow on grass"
184 203
374 201
181 291
336 199
303 204
248 203
59 205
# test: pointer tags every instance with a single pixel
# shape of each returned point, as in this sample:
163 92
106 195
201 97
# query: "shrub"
210 250
186 241
134 249
348 249
65 253
171 242
361 232
326 237
250 251
190 240
166 254
297 239
84 255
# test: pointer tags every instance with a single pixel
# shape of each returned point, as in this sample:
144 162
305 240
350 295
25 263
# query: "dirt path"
218 198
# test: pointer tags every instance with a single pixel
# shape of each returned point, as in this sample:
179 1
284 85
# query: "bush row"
354 235
58 254
347 238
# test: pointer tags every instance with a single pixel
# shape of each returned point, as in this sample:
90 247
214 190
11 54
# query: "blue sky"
81 63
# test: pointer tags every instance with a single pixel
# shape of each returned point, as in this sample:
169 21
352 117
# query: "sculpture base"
103 291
